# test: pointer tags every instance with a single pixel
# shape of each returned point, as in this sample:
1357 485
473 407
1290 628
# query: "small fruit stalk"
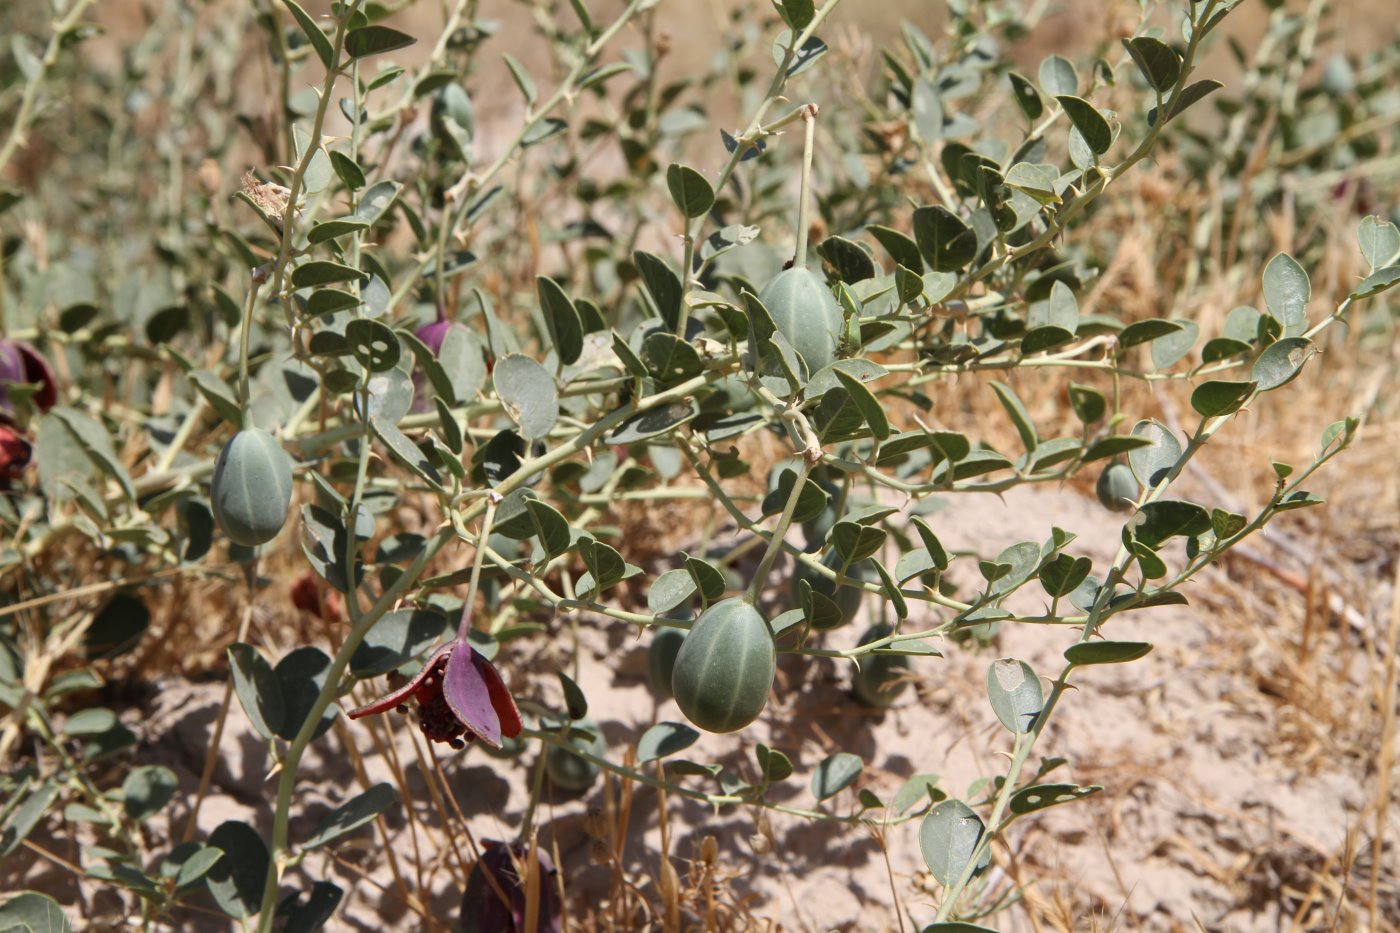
804 310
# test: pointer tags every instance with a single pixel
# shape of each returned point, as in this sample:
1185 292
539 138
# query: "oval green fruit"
846 599
1117 488
569 772
252 487
806 313
878 682
661 659
725 668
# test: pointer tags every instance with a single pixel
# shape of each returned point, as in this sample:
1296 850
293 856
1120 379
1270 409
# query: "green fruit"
569 772
252 487
878 682
661 659
1117 488
846 600
725 668
806 313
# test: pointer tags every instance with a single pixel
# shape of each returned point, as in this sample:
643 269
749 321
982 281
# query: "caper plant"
515 324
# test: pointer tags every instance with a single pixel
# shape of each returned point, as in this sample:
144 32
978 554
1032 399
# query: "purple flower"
460 697
20 363
483 908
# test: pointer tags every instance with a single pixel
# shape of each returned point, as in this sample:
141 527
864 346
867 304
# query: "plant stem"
809 118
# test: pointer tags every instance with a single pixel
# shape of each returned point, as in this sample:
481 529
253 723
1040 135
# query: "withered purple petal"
468 693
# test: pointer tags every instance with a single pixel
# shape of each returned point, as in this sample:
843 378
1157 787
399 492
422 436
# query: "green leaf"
397 638
1057 76
903 250
1158 63
921 788
574 700
522 79
1106 652
1027 98
935 549
797 13
1281 362
663 740
1379 241
404 450
772 764
708 579
948 836
654 422
835 773
20 822
551 527
1286 292
375 40
331 229
1170 348
662 284
323 272
1016 409
851 262
351 815
1113 446
690 191
1143 331
1169 518
1015 694
146 791
805 57
1151 464
1191 94
856 542
238 879
562 318
945 242
258 689
529 394
1218 397
810 502
671 589
870 408
927 111
1091 124
1377 282
32 912
1062 576
1089 404
322 45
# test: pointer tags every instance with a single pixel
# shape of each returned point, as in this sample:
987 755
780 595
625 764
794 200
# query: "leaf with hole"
1015 694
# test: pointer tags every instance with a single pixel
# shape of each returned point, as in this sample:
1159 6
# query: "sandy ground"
1208 811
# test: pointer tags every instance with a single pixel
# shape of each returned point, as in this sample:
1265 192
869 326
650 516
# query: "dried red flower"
460 697
20 363
483 909
14 454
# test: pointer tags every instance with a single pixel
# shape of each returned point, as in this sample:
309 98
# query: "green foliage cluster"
365 326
